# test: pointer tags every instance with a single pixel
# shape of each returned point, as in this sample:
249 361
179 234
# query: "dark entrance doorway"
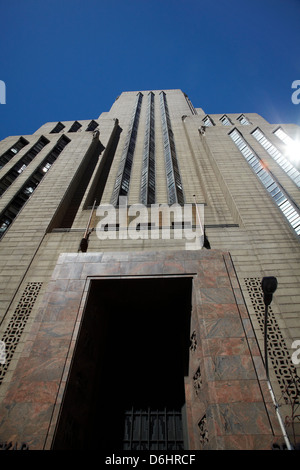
126 384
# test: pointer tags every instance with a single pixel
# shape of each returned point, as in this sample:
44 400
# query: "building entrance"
126 384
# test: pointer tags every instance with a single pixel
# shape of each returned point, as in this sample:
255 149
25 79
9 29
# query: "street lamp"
269 286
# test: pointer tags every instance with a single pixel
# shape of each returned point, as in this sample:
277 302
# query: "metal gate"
150 429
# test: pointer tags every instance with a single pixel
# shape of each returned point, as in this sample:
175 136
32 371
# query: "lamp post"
269 286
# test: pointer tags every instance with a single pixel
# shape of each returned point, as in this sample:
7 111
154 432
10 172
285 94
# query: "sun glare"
293 151
292 146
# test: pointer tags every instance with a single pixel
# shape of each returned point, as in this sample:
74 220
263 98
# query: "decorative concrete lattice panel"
284 369
16 325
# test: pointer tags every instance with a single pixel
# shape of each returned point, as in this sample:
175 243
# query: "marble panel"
226 327
239 418
221 295
232 391
227 346
214 310
229 368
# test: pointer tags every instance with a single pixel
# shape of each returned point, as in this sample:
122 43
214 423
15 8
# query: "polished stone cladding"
227 400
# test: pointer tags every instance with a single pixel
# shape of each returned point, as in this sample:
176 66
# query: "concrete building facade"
119 332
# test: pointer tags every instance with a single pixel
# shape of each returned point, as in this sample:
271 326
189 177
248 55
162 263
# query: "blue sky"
70 59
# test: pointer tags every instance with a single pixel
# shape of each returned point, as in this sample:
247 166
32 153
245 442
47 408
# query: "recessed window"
148 166
13 208
208 122
174 185
58 128
284 163
225 120
283 136
92 126
75 127
282 200
243 120
21 165
292 150
46 167
9 154
122 182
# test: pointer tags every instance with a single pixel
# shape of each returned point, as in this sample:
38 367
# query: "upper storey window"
148 167
290 211
21 165
92 126
291 171
58 128
174 184
12 210
292 146
243 120
9 154
208 122
225 120
122 182
75 127
283 136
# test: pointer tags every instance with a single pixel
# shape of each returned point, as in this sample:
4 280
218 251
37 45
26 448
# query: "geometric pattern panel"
17 323
202 425
284 369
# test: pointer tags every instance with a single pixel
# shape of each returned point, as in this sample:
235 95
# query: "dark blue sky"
70 59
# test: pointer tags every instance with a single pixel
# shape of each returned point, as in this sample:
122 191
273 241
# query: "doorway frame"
91 283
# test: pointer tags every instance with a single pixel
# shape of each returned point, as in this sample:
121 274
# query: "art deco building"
126 328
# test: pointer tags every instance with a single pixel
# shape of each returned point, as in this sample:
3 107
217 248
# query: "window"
9 154
291 171
92 126
174 185
243 120
208 122
58 128
13 208
225 120
283 136
121 187
282 200
21 165
75 127
292 147
46 167
148 166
